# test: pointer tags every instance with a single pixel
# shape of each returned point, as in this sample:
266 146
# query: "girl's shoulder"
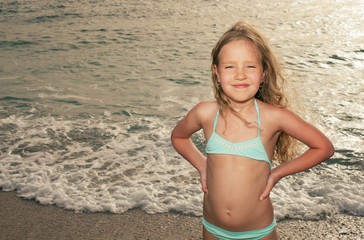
207 106
277 114
205 110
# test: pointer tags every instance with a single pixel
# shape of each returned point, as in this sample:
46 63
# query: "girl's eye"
251 66
227 67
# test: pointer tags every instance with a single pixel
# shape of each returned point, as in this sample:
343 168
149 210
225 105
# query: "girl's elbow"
177 138
330 150
173 137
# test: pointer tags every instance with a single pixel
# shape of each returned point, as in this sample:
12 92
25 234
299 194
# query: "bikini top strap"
217 114
257 108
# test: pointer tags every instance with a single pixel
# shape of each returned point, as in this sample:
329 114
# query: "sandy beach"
26 219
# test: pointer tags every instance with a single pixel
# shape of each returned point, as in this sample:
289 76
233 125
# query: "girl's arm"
320 148
183 144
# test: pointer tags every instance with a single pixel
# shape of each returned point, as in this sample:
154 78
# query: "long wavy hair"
271 89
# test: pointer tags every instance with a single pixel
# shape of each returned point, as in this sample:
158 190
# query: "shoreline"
26 219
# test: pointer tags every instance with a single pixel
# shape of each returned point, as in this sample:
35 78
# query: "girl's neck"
242 107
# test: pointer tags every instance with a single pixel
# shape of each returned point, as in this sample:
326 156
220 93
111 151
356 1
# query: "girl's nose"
240 74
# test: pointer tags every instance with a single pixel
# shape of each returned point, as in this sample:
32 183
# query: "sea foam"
95 166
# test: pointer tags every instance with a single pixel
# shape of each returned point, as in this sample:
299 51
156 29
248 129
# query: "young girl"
246 127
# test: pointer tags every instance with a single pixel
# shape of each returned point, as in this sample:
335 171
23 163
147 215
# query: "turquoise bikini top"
253 148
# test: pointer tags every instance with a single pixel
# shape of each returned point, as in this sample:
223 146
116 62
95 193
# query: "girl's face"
239 71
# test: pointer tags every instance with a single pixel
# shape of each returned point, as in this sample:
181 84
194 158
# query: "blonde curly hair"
270 91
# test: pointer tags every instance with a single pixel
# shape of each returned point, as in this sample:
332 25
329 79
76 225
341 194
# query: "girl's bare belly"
234 186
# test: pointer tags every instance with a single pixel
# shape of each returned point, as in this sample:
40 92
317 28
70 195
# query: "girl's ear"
216 72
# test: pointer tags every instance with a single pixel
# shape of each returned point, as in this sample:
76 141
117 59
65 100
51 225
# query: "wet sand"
26 219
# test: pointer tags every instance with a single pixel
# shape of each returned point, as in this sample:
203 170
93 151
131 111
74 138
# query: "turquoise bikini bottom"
227 235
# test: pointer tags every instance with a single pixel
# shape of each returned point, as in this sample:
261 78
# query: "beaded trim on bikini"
245 145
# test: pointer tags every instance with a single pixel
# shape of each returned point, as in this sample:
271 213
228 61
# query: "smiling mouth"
241 85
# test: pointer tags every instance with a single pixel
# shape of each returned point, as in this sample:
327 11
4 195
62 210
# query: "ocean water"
90 91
